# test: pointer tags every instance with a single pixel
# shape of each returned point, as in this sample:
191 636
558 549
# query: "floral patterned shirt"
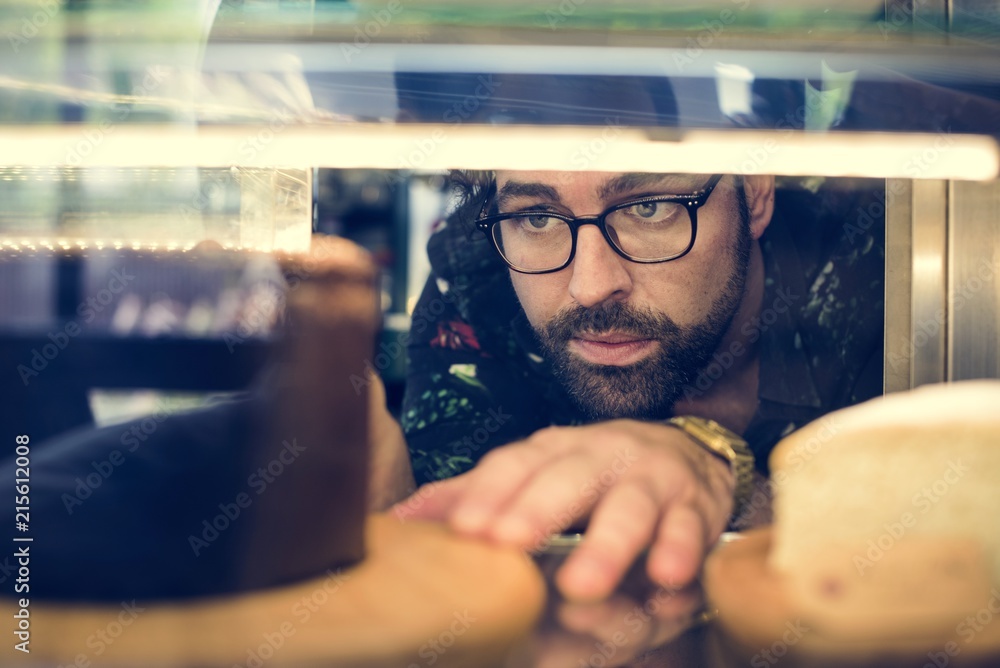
477 379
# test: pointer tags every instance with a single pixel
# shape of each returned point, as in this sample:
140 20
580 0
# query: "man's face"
625 338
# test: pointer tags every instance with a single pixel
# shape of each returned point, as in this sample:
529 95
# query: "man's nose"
599 273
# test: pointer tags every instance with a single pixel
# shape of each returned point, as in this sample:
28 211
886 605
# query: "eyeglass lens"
648 230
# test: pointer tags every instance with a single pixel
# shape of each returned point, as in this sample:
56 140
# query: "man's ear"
760 201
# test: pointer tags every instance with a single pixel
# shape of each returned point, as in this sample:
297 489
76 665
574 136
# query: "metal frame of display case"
942 258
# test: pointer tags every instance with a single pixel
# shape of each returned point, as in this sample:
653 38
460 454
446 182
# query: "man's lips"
612 349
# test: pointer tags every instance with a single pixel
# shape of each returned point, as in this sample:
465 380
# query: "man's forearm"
391 477
390 483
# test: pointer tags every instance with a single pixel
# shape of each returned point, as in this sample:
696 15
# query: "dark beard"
649 388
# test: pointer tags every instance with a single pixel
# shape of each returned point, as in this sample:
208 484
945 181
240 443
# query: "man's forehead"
605 184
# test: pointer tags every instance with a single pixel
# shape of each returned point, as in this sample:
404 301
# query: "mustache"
610 316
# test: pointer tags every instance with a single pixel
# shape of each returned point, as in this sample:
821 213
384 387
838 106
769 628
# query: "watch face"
713 428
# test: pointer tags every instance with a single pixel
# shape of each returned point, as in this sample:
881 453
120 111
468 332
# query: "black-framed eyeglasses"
656 228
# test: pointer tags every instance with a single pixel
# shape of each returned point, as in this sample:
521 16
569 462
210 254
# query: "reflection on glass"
155 208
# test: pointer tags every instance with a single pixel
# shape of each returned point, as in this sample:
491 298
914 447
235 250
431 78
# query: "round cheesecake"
886 533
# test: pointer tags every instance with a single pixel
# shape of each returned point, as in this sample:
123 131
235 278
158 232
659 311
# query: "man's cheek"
541 299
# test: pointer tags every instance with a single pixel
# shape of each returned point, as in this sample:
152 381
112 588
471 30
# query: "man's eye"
653 211
537 222
646 209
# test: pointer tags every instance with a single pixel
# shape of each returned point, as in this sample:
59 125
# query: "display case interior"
177 181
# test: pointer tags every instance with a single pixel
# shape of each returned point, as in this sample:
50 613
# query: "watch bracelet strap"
740 464
743 471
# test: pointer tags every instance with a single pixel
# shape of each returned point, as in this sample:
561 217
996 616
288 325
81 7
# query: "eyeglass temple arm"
490 192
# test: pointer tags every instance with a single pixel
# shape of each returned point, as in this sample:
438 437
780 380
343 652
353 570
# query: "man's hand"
641 485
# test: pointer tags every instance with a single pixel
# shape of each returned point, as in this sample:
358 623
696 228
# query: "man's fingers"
675 557
434 501
497 479
549 502
622 526
522 493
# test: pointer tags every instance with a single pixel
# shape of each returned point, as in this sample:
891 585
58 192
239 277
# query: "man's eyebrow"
633 181
513 189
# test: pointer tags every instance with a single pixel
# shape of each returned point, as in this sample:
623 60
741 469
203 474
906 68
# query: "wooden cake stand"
755 610
421 597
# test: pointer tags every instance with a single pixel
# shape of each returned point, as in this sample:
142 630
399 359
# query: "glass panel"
252 209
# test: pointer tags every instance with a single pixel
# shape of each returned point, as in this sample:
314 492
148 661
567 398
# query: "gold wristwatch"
725 444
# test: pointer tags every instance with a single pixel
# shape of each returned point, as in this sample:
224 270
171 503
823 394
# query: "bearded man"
618 350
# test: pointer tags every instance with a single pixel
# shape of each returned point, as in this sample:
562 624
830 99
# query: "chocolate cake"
314 441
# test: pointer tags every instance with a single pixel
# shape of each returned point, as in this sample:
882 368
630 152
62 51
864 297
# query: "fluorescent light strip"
428 147
673 58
